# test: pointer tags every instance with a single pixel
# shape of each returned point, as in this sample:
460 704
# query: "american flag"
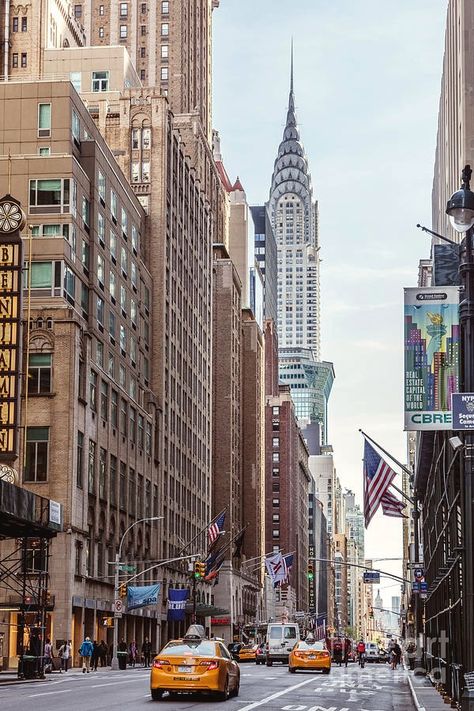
216 527
288 562
377 478
391 506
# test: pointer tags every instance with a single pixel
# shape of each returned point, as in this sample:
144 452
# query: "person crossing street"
85 653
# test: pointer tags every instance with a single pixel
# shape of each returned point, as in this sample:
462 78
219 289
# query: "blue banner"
177 604
142 596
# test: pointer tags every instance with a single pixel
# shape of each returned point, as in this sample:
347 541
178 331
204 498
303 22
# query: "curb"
419 707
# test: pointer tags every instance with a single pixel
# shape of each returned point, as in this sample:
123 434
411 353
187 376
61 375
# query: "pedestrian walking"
95 656
102 653
64 653
85 653
146 652
347 649
48 656
396 655
133 651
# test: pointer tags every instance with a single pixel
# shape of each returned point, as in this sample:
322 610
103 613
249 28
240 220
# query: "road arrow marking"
279 693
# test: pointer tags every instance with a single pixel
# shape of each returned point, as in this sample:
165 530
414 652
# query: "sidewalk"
10 676
425 696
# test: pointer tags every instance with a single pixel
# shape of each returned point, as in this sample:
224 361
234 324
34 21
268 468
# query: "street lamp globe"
460 207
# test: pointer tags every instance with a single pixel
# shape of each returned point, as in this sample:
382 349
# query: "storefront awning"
26 515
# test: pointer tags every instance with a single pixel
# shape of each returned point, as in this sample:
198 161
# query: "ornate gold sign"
12 219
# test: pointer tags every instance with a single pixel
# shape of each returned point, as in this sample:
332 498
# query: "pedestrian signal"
107 622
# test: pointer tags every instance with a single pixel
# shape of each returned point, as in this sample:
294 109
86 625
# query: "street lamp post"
114 662
460 209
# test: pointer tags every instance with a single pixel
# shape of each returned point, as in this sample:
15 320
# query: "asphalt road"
375 688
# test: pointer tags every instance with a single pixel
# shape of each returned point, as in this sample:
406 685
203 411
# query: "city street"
375 688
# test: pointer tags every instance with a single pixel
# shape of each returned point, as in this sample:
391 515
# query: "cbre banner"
432 349
142 596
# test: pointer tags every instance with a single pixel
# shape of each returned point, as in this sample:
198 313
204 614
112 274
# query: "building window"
165 7
24 59
142 52
113 480
113 246
164 73
114 408
112 327
146 171
75 79
99 354
135 138
49 196
102 472
135 176
276 533
123 31
143 8
146 139
275 442
164 51
80 460
123 417
76 126
123 9
104 400
101 32
134 239
112 282
100 313
123 261
44 118
101 10
41 276
37 446
165 29
124 222
15 24
100 81
69 285
44 151
39 373
24 24
113 205
91 467
142 74
93 390
276 456
77 11
15 61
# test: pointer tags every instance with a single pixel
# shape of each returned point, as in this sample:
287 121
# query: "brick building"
287 479
90 424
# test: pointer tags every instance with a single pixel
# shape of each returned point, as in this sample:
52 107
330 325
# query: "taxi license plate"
185 669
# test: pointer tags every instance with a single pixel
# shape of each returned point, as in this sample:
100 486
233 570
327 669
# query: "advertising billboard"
432 345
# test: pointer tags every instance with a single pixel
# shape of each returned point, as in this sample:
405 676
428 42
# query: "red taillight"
210 665
300 655
325 654
160 663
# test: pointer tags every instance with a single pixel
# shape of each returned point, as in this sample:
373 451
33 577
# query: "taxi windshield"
311 645
194 648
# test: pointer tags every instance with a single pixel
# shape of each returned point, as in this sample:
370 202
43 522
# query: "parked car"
281 638
261 655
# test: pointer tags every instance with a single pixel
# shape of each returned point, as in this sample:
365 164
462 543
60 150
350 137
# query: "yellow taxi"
195 664
310 654
248 653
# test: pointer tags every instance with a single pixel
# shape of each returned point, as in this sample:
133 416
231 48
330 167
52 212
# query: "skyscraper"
294 217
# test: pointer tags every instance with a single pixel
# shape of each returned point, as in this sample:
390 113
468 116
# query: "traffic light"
123 590
199 569
310 572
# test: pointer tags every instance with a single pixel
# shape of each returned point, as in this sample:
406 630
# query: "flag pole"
402 466
203 530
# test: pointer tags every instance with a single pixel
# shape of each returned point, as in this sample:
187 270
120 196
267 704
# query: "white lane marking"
255 704
48 693
113 683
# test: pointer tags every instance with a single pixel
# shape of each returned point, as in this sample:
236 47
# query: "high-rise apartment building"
28 29
90 426
170 45
266 258
455 144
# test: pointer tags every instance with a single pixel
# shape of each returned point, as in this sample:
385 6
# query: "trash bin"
122 659
28 667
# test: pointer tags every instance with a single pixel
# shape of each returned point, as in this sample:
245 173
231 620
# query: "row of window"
23 60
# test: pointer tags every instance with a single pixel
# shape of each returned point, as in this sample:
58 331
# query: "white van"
371 652
281 638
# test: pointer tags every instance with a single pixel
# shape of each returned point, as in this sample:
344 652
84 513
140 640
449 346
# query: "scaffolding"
28 522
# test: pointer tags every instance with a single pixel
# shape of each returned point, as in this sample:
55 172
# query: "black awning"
24 514
203 610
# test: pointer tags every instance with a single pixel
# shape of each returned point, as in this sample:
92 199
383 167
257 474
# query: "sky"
367 84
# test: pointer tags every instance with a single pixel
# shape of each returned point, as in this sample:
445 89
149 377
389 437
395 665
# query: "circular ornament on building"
8 474
12 217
